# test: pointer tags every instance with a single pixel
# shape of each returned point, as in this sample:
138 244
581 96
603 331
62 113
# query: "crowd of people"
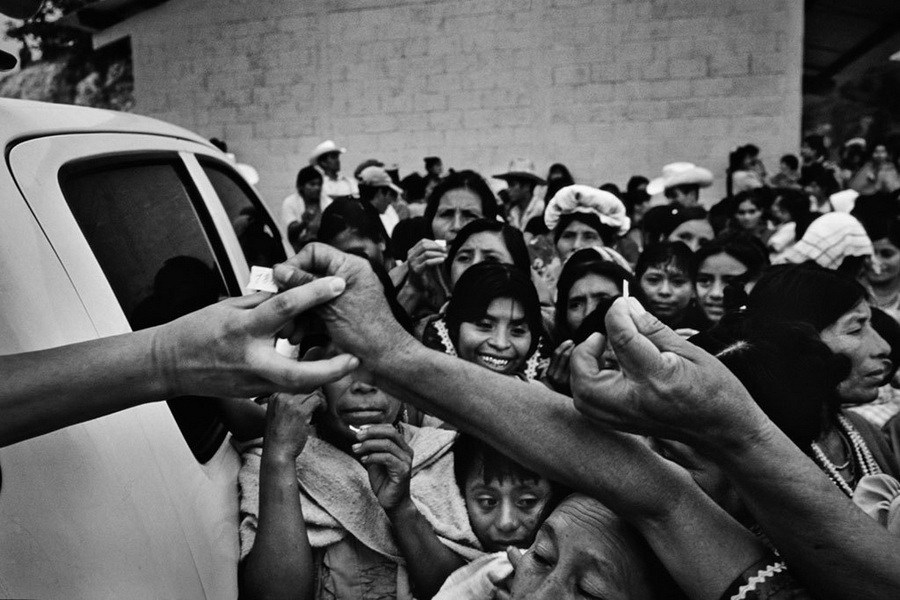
453 463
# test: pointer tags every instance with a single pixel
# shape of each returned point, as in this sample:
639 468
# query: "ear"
20 9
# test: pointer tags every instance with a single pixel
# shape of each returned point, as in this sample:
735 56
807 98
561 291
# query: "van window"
255 230
154 240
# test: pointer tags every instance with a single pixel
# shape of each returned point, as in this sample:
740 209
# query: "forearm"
428 561
700 544
280 563
49 389
831 546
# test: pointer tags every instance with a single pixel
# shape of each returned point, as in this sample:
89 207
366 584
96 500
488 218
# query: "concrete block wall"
610 88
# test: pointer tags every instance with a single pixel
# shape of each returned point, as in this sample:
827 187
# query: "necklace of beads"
859 455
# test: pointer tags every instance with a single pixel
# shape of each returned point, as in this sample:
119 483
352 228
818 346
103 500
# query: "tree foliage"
44 31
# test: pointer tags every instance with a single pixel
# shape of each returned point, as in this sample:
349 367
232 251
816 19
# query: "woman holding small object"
456 201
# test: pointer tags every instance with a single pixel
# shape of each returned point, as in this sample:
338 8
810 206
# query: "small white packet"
261 280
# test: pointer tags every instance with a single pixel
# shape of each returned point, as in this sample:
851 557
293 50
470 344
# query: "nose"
500 338
881 348
509 518
457 221
363 383
665 289
717 290
580 242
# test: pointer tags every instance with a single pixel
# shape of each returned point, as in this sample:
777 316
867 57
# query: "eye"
520 330
445 214
680 281
463 257
575 304
541 557
484 324
486 502
471 215
653 279
591 236
704 280
527 502
568 235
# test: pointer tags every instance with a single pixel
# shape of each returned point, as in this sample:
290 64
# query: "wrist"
404 511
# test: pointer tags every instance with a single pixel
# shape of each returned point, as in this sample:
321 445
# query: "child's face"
505 513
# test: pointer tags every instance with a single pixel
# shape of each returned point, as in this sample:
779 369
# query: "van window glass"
255 230
155 242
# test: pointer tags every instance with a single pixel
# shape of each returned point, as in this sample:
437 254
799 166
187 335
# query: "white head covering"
588 200
680 173
828 241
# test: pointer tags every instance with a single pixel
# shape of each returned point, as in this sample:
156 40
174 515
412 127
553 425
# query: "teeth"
492 361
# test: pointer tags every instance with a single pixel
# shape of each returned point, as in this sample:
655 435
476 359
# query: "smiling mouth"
494 363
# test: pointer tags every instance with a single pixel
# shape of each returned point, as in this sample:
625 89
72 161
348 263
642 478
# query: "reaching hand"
424 255
359 320
288 419
667 386
228 349
558 370
388 459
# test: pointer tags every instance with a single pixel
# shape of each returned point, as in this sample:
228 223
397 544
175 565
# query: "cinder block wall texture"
611 88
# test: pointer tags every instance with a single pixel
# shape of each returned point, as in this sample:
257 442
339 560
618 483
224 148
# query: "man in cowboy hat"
681 183
326 157
521 205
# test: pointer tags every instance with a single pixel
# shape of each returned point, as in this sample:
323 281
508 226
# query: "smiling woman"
494 318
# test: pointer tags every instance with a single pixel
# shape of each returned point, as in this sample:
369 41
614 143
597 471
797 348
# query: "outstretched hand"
359 320
228 348
667 387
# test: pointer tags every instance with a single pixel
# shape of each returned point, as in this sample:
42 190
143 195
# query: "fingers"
288 374
314 260
273 314
636 349
514 555
587 357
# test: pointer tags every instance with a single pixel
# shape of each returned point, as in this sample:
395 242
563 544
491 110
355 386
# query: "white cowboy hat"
521 168
325 147
680 173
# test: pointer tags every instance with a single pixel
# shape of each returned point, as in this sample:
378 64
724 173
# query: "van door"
142 503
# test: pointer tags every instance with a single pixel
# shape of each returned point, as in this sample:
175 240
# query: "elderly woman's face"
456 209
586 294
353 400
581 551
484 246
853 336
575 236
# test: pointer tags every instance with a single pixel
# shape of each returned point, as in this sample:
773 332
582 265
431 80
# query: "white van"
112 222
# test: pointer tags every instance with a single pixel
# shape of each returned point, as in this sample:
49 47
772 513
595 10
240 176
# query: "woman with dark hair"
878 174
725 268
749 213
457 200
666 273
494 319
791 216
588 280
844 361
884 282
745 170
485 240
675 223
353 226
558 177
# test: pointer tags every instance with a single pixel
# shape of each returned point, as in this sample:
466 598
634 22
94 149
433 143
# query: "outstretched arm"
226 349
280 564
671 388
700 544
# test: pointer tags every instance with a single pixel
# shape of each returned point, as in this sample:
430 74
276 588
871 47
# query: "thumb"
585 361
638 338
515 556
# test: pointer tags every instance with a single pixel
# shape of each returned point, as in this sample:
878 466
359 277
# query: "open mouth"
495 363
